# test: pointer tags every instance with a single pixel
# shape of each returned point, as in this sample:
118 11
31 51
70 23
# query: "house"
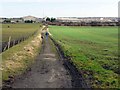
32 18
2 20
17 20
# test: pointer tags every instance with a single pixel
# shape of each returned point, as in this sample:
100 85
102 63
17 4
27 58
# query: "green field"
94 51
17 31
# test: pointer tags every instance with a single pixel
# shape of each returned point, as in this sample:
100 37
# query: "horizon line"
60 16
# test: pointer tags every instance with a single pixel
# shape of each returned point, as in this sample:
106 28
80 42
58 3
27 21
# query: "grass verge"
17 59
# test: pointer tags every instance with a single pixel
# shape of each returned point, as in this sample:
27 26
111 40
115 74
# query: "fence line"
6 45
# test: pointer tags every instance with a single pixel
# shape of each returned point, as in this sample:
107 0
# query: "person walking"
46 34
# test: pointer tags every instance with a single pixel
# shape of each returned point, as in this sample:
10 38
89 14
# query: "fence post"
9 42
5 48
13 42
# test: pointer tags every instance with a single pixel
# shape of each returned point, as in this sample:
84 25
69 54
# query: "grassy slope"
17 59
94 50
18 30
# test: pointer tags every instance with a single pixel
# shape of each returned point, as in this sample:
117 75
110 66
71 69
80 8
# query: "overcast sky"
59 8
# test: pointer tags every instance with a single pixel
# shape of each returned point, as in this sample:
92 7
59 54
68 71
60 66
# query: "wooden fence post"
5 48
13 42
9 42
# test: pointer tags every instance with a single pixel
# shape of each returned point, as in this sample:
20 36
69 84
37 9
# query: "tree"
17 21
52 19
48 19
7 21
29 21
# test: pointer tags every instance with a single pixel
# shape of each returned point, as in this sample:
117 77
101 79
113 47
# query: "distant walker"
46 34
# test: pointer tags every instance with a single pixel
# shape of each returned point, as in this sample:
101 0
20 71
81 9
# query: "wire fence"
6 45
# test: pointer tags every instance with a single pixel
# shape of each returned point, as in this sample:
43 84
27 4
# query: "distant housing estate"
87 19
26 19
66 21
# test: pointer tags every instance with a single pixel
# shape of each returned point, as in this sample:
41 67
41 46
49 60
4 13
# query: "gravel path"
47 72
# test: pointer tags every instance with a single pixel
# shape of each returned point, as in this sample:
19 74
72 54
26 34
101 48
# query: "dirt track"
50 70
47 72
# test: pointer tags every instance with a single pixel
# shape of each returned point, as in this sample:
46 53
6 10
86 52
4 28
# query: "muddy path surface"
47 72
